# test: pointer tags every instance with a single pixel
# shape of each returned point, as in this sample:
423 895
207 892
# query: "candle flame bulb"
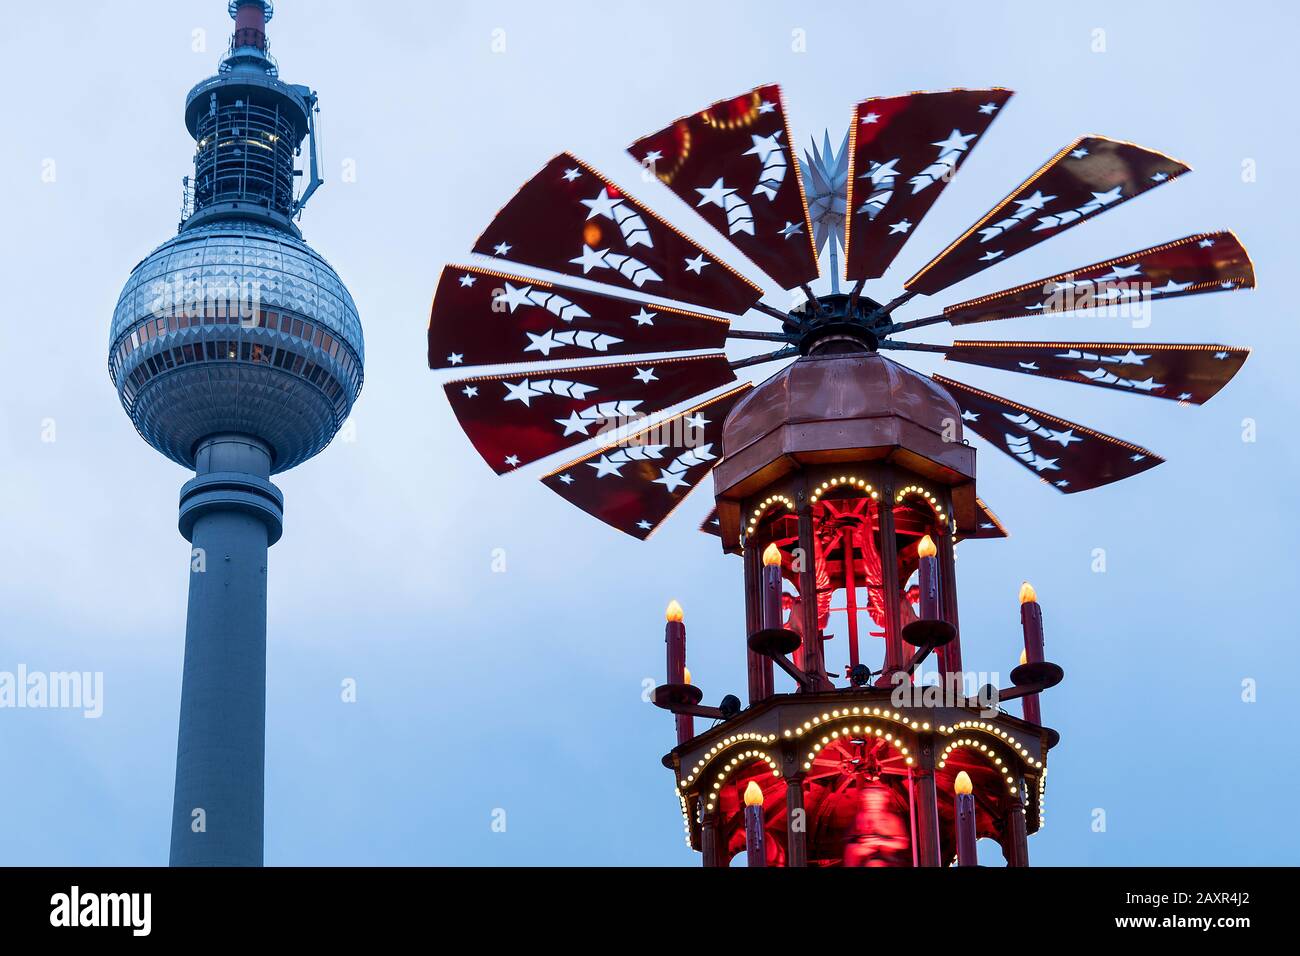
926 548
753 794
962 784
686 675
674 612
1027 593
1024 657
771 556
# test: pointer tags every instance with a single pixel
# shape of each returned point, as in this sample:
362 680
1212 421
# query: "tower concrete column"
231 514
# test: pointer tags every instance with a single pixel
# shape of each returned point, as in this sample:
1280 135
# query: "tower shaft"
231 514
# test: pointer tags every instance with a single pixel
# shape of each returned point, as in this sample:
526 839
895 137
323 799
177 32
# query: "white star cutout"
571 174
715 195
792 229
901 226
645 318
501 248
574 423
1205 243
542 343
590 259
764 146
513 461
1036 201
1159 177
513 297
470 391
871 118
455 358
766 107
957 141
467 280
1066 438
1184 396
646 375
969 416
1220 355
644 525
670 480
988 108
605 467
1062 483
566 479
602 205
990 255
697 421
697 264
1079 153
653 156
1136 457
518 393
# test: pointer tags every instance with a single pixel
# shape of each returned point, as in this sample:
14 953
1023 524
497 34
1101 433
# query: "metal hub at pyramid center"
839 322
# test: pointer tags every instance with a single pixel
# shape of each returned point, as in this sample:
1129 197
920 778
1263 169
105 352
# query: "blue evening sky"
522 690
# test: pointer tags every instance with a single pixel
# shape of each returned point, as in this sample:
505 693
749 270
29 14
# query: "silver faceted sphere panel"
236 327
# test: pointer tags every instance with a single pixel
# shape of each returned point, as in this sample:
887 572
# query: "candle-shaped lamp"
675 636
756 853
928 572
1031 623
772 586
928 579
964 813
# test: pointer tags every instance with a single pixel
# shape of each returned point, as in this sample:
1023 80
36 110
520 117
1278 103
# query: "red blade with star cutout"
519 418
1205 262
636 484
570 219
1192 374
1068 456
731 163
1086 178
482 317
903 151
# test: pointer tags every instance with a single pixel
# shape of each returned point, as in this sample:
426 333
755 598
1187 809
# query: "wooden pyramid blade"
635 484
732 163
519 418
570 219
1086 178
987 524
1205 262
1191 374
482 317
1068 456
903 151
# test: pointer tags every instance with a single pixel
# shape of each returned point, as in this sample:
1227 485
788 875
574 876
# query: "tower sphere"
236 326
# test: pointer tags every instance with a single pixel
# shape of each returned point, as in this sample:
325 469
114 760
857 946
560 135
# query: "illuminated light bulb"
1027 593
1024 657
674 612
686 675
926 548
771 556
962 784
753 794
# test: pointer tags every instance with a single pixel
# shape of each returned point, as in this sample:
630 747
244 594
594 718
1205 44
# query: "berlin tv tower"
238 353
